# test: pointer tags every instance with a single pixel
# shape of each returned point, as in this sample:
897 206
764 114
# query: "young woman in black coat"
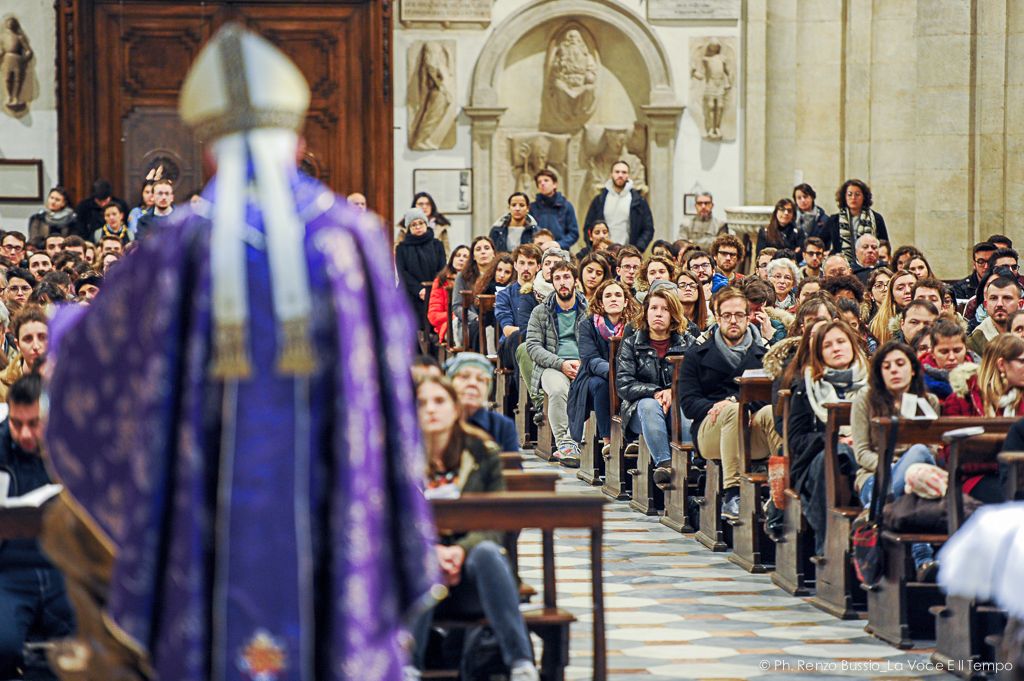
782 230
418 258
643 374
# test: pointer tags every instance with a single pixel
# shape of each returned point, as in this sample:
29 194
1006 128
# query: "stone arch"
661 111
507 34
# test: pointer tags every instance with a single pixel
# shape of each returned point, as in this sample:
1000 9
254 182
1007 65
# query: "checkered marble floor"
675 610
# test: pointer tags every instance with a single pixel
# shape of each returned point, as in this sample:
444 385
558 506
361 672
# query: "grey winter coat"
542 336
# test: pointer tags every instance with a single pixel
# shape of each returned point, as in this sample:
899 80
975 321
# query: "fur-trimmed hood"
779 315
960 378
779 355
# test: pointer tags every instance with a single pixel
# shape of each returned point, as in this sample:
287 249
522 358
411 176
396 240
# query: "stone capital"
663 121
484 119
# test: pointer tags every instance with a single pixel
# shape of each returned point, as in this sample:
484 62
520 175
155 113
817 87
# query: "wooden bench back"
752 389
485 305
675 435
837 487
530 481
980 449
613 355
467 302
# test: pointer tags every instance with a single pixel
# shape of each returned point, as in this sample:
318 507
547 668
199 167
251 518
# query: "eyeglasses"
781 277
688 287
981 261
812 254
701 266
785 209
880 285
732 316
1012 268
629 268
13 248
704 203
19 289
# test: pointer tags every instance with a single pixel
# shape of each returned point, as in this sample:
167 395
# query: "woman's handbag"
868 557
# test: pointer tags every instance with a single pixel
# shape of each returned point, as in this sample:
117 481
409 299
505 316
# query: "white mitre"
249 100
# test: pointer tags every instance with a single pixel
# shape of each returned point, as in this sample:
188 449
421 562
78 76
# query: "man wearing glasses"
13 247
814 252
699 263
703 227
967 287
728 252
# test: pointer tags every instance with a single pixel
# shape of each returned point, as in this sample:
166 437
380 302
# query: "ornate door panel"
122 64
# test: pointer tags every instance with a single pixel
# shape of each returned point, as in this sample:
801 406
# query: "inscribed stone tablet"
692 10
444 11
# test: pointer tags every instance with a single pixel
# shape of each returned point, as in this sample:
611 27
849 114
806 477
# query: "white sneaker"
524 670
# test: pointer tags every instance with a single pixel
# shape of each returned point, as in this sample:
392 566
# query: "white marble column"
484 125
662 130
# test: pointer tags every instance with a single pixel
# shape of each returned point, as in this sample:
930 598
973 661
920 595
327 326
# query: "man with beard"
727 252
471 374
551 344
623 209
703 227
1002 297
699 263
814 251
708 392
980 254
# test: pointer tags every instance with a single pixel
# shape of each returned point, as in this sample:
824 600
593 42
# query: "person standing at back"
623 209
553 211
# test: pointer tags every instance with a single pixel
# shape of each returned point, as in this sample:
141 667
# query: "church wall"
32 135
696 162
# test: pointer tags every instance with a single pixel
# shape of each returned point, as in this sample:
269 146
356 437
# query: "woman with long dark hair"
895 387
482 254
691 296
782 230
473 565
441 291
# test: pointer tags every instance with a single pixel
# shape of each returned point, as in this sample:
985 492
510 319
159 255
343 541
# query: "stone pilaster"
484 125
662 130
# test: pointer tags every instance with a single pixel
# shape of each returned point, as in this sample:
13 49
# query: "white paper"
33 499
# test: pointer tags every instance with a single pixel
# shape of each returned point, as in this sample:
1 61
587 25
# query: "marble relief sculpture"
712 69
570 80
15 55
532 152
432 102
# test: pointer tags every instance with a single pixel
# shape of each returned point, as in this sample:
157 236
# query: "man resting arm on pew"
461 458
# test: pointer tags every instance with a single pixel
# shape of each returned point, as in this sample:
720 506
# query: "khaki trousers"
721 440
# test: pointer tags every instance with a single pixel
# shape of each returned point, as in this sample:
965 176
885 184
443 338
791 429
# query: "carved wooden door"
123 64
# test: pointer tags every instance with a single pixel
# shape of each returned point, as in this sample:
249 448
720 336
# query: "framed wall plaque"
689 204
21 180
452 189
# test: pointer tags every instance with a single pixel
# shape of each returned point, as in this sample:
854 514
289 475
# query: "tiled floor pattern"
677 611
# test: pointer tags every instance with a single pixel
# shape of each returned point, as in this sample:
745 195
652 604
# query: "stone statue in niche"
533 152
15 55
570 80
712 74
432 104
601 147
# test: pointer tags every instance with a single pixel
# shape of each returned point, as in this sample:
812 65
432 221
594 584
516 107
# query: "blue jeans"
488 588
599 398
813 492
922 553
33 607
653 422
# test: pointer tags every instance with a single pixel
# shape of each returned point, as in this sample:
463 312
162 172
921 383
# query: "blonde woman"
886 320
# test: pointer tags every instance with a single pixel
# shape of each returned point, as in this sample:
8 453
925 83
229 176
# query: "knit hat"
464 359
663 285
414 214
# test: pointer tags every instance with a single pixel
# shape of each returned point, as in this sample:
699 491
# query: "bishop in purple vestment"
235 413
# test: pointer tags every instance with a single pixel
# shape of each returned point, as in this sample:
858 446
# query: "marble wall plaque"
693 10
446 11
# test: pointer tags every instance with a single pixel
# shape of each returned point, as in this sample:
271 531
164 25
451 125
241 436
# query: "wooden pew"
1014 462
485 307
683 485
752 550
794 572
616 480
509 512
591 469
837 590
503 377
511 461
545 446
962 624
426 337
467 301
531 481
647 498
898 607
525 425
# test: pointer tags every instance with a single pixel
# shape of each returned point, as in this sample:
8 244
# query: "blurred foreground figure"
234 420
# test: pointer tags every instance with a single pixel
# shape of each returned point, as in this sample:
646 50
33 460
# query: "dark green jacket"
479 471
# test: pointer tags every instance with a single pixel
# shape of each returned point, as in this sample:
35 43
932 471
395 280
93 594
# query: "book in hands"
34 499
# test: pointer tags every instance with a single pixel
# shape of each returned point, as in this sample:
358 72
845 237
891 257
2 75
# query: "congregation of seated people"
831 312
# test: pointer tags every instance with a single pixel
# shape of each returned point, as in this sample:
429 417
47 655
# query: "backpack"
481 657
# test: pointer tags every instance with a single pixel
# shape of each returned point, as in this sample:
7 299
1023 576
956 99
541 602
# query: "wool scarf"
1008 402
836 385
734 354
606 329
848 233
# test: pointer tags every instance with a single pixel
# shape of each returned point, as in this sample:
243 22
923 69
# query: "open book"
34 499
